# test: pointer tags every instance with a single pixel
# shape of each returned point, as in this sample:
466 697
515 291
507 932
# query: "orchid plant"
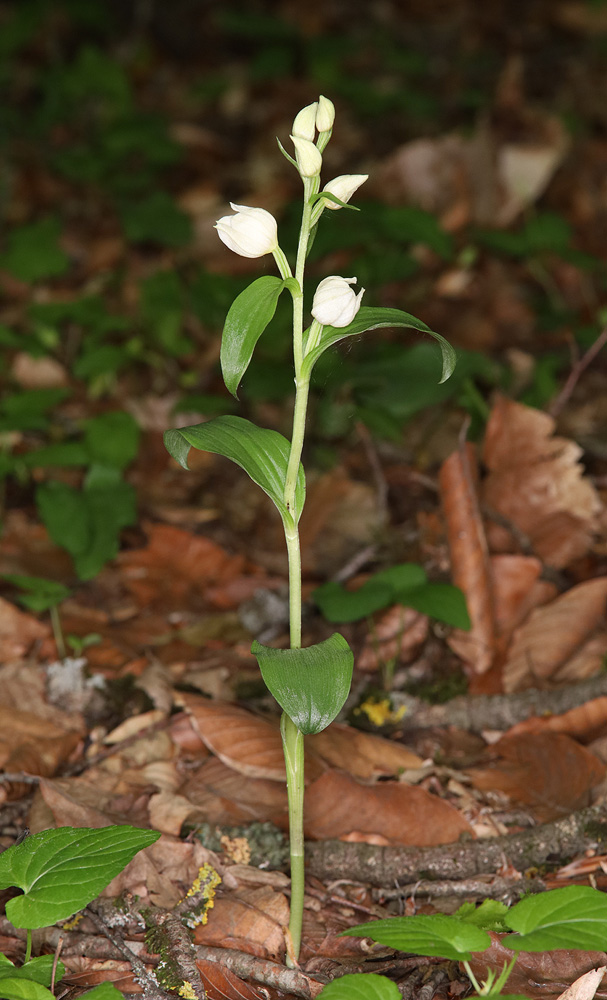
310 684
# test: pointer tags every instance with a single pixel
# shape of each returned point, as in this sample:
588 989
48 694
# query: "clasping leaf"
248 316
262 453
311 684
371 318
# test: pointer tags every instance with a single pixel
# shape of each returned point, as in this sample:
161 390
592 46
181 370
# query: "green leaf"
105 991
311 684
370 318
340 605
112 438
263 454
249 315
34 253
442 601
490 915
61 871
437 935
572 917
14 988
360 986
40 969
40 594
156 219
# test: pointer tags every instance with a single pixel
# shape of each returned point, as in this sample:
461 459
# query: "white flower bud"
325 115
252 232
343 187
335 303
304 126
309 159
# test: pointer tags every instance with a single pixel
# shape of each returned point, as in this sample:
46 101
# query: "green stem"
293 745
292 739
57 631
28 947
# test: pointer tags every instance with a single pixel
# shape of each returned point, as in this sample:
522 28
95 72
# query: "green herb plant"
60 872
310 684
574 917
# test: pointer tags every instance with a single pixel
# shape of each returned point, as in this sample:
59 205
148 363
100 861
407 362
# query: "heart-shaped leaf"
371 318
14 988
442 601
360 986
436 935
39 969
248 316
311 684
572 917
262 453
62 870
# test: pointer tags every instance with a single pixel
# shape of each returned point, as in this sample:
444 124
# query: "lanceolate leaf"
436 935
262 453
62 870
311 684
371 318
572 917
249 315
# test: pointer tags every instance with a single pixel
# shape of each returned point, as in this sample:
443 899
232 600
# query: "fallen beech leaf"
18 631
536 481
252 921
541 974
584 722
218 794
545 646
549 773
397 634
337 805
361 754
240 739
177 565
222 984
585 987
470 565
168 812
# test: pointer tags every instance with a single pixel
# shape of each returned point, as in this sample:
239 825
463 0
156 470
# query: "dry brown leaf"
241 740
253 921
168 812
222 984
542 974
337 804
585 987
554 644
18 631
177 565
536 481
547 772
361 754
219 794
397 634
584 722
470 565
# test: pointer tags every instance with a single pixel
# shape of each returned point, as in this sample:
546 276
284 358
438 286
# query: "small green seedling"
574 917
406 584
60 872
40 594
311 684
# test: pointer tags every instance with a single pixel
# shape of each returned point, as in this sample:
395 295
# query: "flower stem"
292 738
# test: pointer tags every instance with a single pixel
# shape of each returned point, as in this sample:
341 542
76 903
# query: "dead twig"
262 970
575 374
147 980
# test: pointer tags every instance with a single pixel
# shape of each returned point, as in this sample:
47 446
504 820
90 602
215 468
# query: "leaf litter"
517 513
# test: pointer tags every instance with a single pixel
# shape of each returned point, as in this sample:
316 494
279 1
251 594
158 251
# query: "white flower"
343 187
309 159
304 126
252 232
335 303
325 115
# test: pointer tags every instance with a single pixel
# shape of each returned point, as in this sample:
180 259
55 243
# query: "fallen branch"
387 866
